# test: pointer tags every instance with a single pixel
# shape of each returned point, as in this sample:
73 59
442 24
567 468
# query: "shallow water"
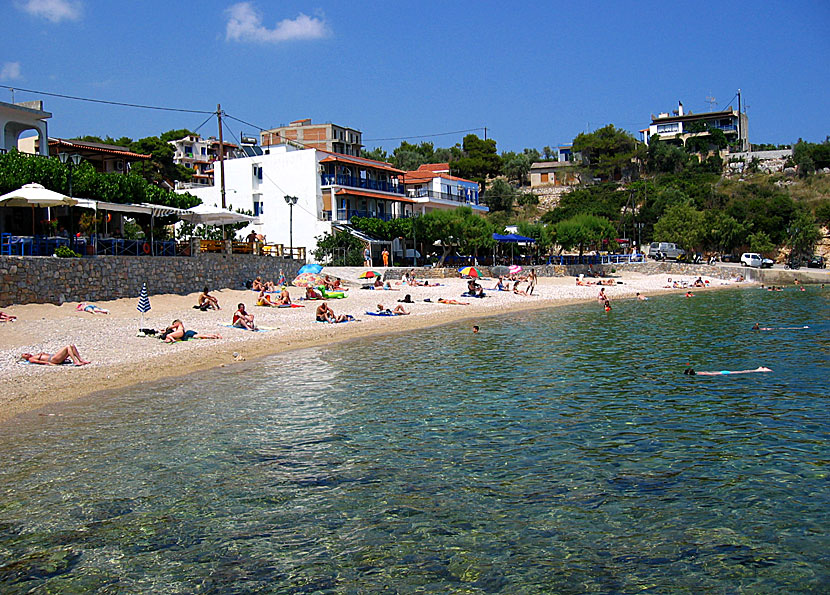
556 451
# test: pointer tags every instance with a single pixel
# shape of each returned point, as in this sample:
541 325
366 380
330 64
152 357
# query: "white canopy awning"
145 208
35 195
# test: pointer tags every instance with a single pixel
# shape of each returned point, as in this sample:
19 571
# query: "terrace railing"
356 182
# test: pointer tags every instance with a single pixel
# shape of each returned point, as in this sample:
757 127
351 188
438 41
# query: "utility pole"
221 153
485 133
740 136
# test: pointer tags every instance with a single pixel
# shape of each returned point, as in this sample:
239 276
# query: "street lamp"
291 201
71 161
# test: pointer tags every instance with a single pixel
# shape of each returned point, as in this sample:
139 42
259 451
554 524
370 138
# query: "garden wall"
44 279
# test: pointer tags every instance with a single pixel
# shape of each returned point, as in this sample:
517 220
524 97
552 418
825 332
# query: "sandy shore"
120 358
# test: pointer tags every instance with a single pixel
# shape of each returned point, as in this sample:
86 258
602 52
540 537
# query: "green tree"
478 161
663 157
822 212
760 242
459 229
160 167
583 231
607 152
683 224
803 233
500 196
516 167
378 154
339 248
722 232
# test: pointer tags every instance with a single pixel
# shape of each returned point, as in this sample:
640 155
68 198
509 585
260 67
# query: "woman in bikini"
176 332
70 352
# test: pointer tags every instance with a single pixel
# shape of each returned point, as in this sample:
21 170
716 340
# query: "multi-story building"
107 159
199 154
679 126
326 137
432 187
330 189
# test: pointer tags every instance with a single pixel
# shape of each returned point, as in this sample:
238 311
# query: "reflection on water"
556 451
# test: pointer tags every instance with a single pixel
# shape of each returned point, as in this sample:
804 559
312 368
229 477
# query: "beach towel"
261 329
291 306
66 362
349 318
384 313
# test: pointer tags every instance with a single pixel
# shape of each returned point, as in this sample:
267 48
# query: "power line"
426 135
138 105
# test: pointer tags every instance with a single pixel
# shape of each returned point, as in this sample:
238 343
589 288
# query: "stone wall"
43 279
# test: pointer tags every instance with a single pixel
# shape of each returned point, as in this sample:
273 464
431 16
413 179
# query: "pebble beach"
120 357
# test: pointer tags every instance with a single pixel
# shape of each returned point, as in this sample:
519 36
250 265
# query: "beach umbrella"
35 195
514 268
310 268
368 275
499 270
471 272
143 303
308 280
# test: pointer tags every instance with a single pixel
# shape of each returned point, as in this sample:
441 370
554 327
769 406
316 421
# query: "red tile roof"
97 147
369 194
339 158
418 177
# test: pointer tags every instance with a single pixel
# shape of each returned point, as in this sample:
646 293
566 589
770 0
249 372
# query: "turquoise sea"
558 451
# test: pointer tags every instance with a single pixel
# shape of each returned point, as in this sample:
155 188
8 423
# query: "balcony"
424 193
345 215
355 182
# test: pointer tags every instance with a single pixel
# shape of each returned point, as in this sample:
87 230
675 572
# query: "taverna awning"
512 237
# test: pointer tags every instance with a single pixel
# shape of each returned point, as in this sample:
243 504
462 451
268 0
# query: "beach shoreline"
121 359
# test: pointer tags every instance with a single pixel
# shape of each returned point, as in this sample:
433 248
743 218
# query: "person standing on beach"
385 255
367 257
531 281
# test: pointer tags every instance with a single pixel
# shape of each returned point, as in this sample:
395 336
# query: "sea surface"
557 451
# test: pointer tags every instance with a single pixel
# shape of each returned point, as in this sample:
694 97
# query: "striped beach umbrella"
143 303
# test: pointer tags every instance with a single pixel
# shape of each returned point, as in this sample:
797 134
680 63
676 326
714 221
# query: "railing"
355 182
12 245
347 214
424 193
622 258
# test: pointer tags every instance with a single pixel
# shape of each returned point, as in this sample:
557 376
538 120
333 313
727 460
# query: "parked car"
817 262
753 259
665 250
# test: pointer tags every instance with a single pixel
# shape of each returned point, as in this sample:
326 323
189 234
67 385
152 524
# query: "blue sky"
533 73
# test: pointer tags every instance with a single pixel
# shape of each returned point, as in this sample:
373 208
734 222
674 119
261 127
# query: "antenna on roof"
712 103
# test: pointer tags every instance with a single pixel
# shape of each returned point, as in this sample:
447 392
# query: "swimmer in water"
691 372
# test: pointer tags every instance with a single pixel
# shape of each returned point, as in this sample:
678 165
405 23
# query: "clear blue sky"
533 73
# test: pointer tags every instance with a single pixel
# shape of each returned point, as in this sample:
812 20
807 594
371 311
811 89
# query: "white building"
330 187
199 154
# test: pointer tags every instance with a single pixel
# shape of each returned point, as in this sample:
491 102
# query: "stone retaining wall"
44 279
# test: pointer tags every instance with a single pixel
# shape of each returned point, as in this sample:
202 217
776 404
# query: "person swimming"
691 372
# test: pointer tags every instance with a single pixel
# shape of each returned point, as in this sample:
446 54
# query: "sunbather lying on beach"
207 301
70 352
326 314
7 317
241 319
692 372
453 302
397 311
91 308
176 332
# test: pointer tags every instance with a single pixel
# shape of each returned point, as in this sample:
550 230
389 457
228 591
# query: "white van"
665 250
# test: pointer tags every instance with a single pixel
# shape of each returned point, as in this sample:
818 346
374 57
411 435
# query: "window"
258 205
258 172
664 128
